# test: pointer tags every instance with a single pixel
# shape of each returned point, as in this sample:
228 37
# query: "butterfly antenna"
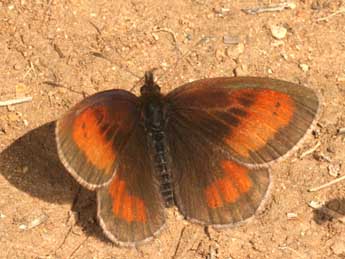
182 56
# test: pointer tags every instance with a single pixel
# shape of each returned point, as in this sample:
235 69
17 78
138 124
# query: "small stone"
315 204
234 51
285 56
338 247
228 39
270 71
26 123
292 215
341 131
331 149
38 221
155 36
278 32
221 11
23 227
304 67
333 170
18 66
241 70
341 78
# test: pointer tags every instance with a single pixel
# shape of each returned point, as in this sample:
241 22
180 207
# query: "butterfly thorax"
154 121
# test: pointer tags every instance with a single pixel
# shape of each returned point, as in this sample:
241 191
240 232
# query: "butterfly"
204 147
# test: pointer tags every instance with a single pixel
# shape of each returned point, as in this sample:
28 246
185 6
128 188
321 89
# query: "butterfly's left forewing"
91 135
222 133
257 119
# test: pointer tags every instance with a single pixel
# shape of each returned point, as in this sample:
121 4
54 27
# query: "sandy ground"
58 52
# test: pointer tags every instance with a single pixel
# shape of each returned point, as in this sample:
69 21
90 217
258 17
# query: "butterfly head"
149 88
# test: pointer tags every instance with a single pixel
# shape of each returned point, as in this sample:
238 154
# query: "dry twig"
310 151
326 18
327 184
270 8
16 101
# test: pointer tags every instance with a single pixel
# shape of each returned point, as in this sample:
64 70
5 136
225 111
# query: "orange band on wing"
89 138
229 188
267 111
125 206
238 174
221 191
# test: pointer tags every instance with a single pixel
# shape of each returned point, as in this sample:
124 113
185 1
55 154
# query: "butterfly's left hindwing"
209 186
130 208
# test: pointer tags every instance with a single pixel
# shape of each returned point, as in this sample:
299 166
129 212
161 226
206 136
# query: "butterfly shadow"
32 165
332 209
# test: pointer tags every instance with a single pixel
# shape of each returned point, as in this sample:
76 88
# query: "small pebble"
304 67
221 11
278 32
38 221
341 131
18 66
23 227
228 39
292 215
333 170
331 149
155 36
341 79
234 51
315 204
285 56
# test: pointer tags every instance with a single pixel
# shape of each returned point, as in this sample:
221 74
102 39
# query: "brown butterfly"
204 147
